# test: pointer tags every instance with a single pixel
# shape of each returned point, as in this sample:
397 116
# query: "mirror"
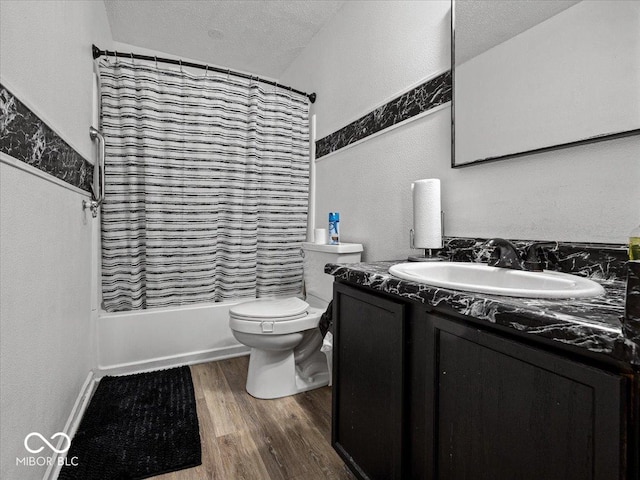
532 76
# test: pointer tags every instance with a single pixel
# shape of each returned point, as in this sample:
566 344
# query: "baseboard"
73 422
173 361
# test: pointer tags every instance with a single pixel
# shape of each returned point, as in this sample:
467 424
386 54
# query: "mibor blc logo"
35 442
39 435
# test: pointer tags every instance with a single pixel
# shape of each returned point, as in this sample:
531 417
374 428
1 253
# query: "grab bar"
98 197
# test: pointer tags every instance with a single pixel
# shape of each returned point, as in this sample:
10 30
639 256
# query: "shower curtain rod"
110 53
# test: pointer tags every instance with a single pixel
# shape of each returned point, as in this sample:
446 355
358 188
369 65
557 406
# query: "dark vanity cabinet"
367 428
504 410
428 395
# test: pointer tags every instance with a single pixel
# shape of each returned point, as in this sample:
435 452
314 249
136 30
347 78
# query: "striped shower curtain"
206 187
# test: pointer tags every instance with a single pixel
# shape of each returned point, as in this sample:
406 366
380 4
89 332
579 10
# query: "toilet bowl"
285 342
281 334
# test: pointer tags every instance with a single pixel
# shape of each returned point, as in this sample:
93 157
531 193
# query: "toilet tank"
319 285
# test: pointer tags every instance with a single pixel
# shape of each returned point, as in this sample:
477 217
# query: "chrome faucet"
504 254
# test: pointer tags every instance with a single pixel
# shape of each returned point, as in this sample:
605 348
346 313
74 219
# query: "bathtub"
142 340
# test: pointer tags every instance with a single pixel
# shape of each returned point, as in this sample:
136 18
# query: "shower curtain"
206 187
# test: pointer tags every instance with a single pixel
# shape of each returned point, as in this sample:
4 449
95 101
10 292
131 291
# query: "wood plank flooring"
246 438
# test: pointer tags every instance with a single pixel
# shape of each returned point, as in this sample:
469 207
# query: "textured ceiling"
260 37
483 24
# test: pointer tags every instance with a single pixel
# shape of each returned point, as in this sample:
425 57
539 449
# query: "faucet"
534 257
504 254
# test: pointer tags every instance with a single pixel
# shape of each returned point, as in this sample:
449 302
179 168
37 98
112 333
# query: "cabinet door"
504 410
368 383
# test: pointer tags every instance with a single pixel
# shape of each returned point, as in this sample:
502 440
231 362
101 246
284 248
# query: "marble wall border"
25 137
25 167
424 98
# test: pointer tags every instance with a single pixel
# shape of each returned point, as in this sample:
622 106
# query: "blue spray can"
334 230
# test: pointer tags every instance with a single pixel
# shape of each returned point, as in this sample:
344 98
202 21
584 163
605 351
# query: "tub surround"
595 324
25 137
432 93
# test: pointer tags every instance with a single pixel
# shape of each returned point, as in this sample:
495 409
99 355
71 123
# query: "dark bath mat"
137 426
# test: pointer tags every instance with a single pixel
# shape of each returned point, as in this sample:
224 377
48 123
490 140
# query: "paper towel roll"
427 219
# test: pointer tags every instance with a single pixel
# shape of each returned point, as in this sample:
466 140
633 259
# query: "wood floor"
246 438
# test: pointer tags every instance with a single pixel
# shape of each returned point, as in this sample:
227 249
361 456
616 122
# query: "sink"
477 277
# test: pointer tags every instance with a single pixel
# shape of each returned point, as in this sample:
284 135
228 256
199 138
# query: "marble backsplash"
25 137
594 260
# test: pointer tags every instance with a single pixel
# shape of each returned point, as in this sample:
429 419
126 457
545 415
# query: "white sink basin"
476 277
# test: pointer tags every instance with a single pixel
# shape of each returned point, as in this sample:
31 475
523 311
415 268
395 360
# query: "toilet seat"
289 307
274 316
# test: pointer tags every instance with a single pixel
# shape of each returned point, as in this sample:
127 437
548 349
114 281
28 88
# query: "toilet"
285 342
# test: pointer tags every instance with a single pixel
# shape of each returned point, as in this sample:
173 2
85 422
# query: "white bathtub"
137 341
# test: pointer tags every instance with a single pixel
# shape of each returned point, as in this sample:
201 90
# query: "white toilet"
282 332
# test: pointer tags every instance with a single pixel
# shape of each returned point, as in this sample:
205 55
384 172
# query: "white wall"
45 47
369 52
372 50
46 348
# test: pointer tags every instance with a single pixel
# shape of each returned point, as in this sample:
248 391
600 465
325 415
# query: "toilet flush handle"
267 327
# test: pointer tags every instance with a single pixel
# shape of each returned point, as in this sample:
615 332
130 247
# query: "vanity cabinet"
367 423
429 395
504 410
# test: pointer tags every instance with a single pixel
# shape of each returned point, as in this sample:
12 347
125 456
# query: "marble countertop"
589 323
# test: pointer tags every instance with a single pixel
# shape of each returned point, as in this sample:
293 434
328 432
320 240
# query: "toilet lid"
270 309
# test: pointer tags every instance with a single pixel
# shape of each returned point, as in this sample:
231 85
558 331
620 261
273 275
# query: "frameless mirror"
536 75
